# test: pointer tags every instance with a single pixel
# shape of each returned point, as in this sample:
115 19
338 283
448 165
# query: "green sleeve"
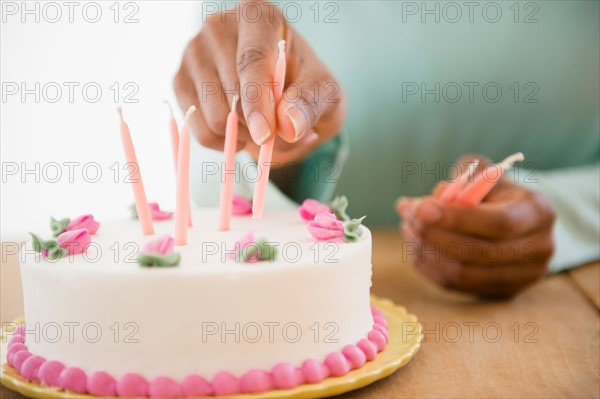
316 176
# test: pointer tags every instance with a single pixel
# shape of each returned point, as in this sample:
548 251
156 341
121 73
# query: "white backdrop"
54 143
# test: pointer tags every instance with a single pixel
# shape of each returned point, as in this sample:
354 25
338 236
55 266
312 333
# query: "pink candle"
452 189
141 203
182 206
475 192
175 146
266 150
174 134
231 133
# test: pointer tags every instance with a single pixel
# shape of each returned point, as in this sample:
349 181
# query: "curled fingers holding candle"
229 56
494 249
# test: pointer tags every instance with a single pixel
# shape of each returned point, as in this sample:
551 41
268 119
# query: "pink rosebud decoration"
249 249
241 205
161 246
244 246
83 222
159 252
74 241
310 208
326 227
157 214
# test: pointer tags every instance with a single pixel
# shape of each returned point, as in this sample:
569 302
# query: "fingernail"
259 128
429 213
415 203
298 121
406 212
401 203
408 232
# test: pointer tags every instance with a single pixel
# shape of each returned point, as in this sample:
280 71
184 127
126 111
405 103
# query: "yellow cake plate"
405 341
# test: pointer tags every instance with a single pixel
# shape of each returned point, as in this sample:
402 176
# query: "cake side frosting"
206 315
282 376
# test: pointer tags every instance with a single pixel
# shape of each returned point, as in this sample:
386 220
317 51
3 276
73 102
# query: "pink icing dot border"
282 376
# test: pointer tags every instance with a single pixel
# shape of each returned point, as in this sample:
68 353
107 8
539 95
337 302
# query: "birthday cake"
270 304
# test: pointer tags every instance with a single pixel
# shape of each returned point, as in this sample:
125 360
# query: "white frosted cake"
210 320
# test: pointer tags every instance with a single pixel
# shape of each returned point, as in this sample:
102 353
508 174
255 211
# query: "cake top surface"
116 245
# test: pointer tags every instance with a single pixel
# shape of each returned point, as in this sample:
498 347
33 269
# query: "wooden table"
543 343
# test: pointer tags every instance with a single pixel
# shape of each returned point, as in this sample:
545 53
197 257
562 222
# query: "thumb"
311 102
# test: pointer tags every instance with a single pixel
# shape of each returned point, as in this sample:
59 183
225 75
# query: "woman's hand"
494 249
229 57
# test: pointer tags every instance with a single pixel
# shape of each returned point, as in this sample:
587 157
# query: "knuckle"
179 84
447 274
208 140
537 251
272 15
213 20
447 281
504 223
192 49
423 232
544 207
548 247
459 274
220 34
250 58
216 123
309 105
193 56
468 253
551 245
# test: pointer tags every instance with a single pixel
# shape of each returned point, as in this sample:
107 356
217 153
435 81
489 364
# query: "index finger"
256 57
491 220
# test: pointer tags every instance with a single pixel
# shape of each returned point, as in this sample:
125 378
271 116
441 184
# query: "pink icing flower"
241 205
326 227
245 244
83 222
157 214
75 241
160 246
310 208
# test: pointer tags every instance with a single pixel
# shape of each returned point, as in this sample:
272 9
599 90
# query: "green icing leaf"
36 242
55 251
149 260
133 210
352 230
353 225
339 206
58 226
266 251
246 252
